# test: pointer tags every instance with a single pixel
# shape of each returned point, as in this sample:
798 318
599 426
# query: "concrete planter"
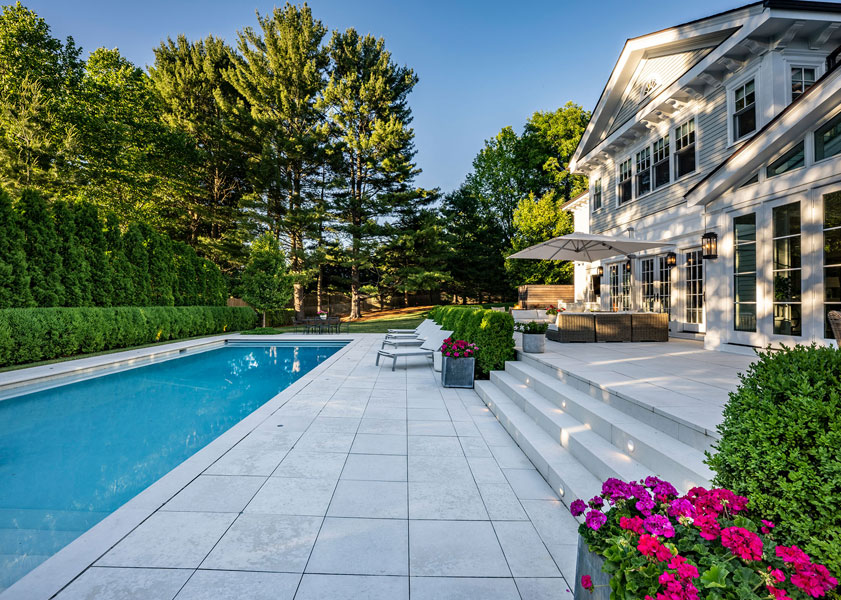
589 563
457 372
436 361
534 343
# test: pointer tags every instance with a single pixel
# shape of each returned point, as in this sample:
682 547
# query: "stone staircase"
578 433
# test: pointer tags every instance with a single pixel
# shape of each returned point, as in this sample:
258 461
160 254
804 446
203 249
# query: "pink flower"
767 526
777 575
777 593
742 543
659 525
710 529
631 524
595 519
577 507
596 502
681 507
587 583
648 545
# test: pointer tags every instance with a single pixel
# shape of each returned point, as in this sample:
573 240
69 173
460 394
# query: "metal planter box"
590 563
534 343
457 372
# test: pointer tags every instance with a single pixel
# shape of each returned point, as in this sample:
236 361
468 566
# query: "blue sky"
482 64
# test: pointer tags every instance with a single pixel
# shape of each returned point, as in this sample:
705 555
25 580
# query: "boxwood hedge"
492 331
33 334
781 447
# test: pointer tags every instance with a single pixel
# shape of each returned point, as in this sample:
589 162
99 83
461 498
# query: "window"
787 269
625 190
828 139
614 286
620 288
625 297
665 273
597 194
660 149
685 148
694 269
751 181
793 159
802 78
744 117
831 257
744 273
643 171
649 297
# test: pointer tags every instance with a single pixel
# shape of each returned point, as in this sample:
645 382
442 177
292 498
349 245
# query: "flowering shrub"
458 348
658 545
553 310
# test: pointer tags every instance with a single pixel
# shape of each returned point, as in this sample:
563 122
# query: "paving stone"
353 587
361 547
315 465
293 496
371 499
216 493
445 500
235 585
455 549
366 443
106 583
375 467
526 554
463 588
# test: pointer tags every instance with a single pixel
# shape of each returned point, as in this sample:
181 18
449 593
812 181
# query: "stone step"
598 456
670 423
663 455
567 476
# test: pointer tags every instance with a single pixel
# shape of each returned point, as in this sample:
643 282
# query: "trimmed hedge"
34 334
491 331
781 447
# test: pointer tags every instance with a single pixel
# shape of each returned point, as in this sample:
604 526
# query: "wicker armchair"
650 327
613 327
835 323
574 327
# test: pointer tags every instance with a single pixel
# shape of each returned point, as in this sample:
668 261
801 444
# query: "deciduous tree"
266 285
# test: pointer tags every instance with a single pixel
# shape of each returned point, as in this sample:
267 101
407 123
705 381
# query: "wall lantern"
628 265
671 260
600 271
709 245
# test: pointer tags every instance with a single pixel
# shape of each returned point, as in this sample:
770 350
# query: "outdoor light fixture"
709 245
600 272
628 264
671 259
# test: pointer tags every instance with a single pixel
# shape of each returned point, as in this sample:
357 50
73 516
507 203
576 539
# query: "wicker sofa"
609 327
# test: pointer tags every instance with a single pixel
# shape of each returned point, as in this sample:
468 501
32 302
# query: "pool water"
71 455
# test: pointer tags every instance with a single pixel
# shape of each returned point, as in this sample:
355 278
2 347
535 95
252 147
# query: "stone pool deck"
364 483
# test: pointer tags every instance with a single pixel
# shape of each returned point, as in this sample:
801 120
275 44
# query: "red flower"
631 524
587 583
742 543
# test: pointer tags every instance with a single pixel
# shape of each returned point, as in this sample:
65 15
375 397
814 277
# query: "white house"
724 131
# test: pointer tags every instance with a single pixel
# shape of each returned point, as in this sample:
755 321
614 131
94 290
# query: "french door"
655 284
693 280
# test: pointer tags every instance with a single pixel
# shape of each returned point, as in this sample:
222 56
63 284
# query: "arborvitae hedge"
66 254
33 334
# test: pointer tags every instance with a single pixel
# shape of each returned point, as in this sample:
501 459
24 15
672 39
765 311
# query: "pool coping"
54 574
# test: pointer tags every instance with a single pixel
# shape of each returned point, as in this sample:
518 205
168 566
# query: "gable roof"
697 52
784 130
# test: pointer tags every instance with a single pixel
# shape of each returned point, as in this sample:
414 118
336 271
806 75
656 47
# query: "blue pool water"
72 454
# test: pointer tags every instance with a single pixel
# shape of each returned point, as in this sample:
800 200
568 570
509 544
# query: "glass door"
648 287
664 281
693 279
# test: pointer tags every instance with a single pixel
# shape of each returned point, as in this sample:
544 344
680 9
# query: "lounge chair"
419 331
410 340
425 322
428 348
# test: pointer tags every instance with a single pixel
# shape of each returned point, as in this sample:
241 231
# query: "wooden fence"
539 296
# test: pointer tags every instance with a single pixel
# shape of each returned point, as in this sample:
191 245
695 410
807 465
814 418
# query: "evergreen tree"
134 247
265 282
90 231
197 100
369 116
14 279
122 273
186 292
76 272
161 265
281 74
41 247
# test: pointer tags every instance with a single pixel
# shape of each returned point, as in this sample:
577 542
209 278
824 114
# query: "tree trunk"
264 319
298 299
319 290
406 298
355 311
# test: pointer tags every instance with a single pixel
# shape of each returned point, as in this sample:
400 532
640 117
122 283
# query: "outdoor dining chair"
835 323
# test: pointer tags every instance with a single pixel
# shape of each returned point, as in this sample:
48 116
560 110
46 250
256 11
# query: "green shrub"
495 338
280 317
781 447
33 334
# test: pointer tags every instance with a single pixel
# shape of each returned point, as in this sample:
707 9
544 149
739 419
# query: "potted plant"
534 336
322 314
553 310
458 363
650 543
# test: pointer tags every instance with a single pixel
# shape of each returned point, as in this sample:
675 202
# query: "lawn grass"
370 323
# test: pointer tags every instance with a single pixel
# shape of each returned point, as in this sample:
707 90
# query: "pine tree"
161 266
91 235
186 292
122 282
14 279
76 272
134 247
366 103
281 74
41 246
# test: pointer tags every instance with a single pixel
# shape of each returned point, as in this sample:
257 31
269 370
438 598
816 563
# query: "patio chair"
428 348
407 341
425 323
835 323
419 331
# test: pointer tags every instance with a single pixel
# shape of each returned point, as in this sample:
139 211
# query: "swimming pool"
72 454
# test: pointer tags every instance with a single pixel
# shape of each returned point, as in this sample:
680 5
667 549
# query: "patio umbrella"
587 247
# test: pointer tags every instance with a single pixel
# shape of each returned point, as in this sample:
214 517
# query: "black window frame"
802 68
820 148
781 166
597 194
643 171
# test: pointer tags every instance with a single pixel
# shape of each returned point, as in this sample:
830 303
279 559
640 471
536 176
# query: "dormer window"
744 117
625 191
643 171
802 78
